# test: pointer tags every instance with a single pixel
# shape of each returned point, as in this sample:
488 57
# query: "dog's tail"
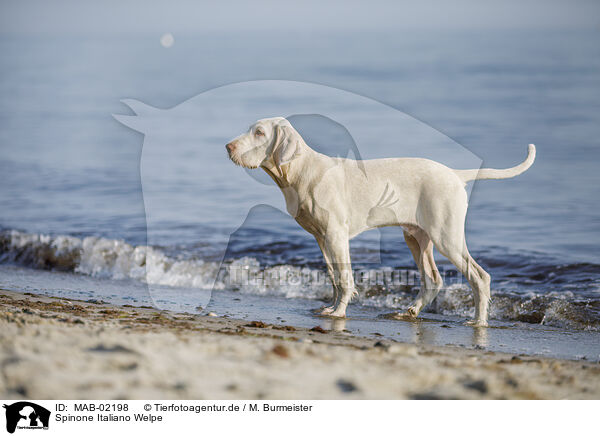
491 173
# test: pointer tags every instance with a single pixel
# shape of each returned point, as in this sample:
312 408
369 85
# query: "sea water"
73 222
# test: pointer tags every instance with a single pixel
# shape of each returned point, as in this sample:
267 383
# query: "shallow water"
429 329
527 293
72 197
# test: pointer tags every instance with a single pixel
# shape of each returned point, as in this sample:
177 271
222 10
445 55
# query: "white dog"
336 199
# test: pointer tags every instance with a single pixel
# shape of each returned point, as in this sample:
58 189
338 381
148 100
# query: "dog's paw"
401 316
328 310
477 323
409 315
338 313
412 312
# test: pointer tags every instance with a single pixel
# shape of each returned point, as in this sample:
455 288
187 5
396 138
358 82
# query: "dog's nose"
230 147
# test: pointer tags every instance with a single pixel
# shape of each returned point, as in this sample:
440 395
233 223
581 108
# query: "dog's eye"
259 132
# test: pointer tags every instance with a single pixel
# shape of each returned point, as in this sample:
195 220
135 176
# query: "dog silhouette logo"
184 168
26 415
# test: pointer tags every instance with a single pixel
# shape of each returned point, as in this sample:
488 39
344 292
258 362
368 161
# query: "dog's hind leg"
455 249
421 248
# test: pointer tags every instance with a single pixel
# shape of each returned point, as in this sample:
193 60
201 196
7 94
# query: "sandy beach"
57 348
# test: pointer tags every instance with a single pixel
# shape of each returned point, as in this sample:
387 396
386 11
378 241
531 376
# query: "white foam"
116 259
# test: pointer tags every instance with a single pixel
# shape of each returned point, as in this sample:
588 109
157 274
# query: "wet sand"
53 348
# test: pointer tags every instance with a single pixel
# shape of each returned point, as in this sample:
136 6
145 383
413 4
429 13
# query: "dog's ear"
285 146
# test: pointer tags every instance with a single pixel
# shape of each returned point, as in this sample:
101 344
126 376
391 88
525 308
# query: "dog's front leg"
327 310
337 247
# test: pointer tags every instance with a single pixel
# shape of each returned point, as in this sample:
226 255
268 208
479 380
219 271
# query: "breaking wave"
102 258
381 287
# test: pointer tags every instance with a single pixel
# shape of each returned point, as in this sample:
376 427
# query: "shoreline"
61 348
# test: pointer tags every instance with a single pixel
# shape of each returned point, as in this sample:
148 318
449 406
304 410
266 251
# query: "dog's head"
270 143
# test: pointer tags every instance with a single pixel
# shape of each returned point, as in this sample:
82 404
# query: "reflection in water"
337 325
424 333
480 336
